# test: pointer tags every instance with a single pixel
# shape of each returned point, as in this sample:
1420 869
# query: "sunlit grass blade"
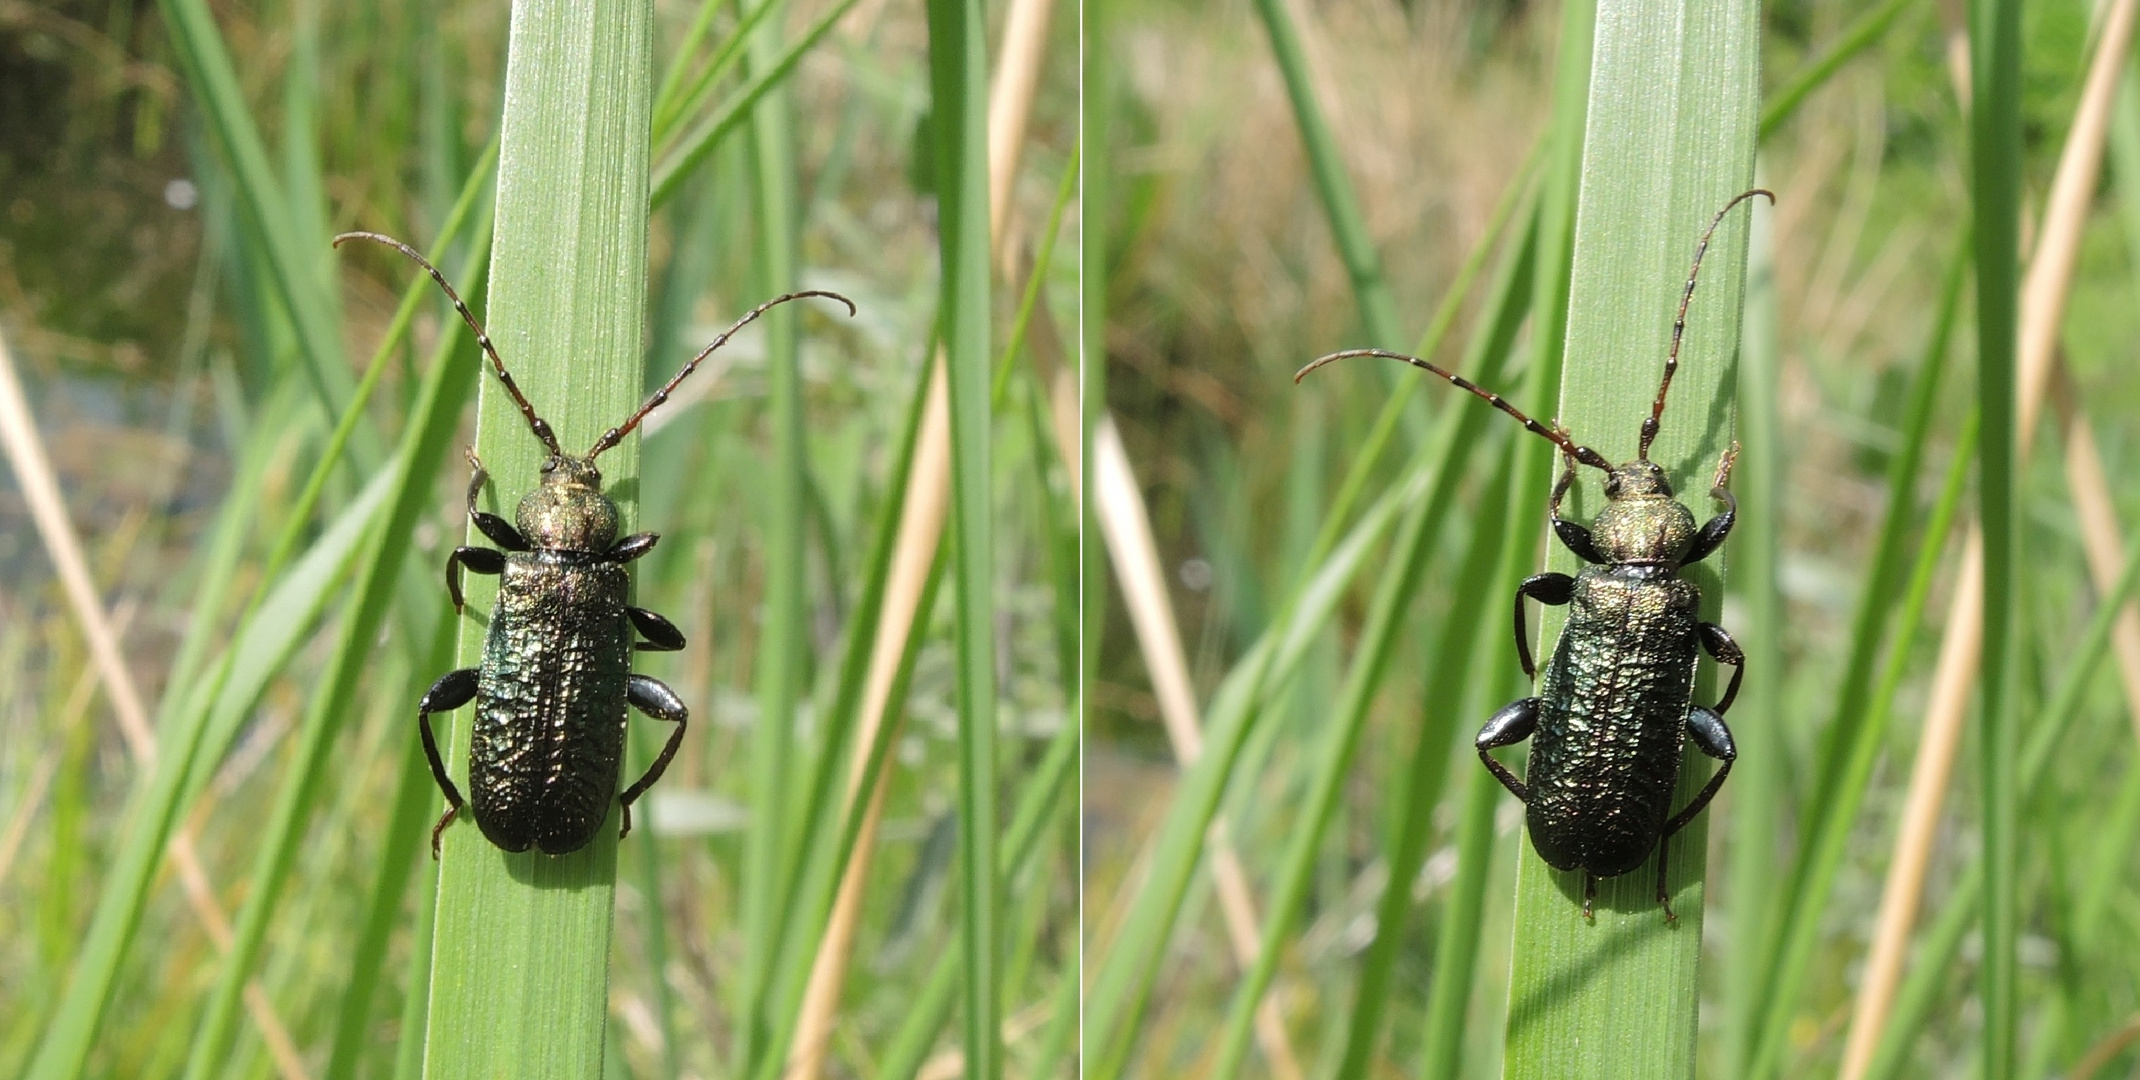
958 81
1995 189
1754 864
783 644
1669 139
519 975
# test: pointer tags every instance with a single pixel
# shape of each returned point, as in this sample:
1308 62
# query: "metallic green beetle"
1615 706
556 673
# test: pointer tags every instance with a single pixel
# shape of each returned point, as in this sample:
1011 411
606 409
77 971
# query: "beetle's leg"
452 690
1711 737
1575 536
631 547
480 560
1712 533
661 703
1547 588
661 634
1590 894
490 525
1511 725
1726 651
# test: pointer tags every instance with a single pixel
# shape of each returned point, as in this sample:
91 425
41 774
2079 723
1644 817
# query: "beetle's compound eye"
1612 484
549 465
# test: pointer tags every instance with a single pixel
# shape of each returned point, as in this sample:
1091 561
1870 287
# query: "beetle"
1616 704
556 675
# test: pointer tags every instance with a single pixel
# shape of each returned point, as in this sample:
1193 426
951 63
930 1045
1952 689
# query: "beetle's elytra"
556 673
1615 706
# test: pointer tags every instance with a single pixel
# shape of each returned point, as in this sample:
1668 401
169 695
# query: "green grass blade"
1755 867
1669 138
783 643
519 975
1995 189
958 82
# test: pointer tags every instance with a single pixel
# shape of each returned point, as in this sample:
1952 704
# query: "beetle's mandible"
556 673
1616 704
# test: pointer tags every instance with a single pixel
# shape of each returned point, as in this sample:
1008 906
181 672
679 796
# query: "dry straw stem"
1119 504
40 489
2043 306
921 526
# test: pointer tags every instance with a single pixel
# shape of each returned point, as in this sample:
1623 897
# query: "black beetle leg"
452 690
1710 736
1590 895
490 525
1726 651
658 701
1712 533
1511 725
661 634
1573 535
631 547
480 560
1547 588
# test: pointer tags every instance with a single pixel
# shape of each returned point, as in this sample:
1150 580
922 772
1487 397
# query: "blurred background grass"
1222 278
143 312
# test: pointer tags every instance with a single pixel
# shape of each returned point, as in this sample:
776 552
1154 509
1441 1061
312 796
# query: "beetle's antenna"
1679 325
616 434
1559 438
540 426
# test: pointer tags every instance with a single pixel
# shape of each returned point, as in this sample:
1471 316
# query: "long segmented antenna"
1558 436
540 425
616 434
1679 325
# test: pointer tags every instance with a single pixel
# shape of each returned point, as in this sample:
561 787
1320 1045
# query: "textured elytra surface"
549 724
1612 717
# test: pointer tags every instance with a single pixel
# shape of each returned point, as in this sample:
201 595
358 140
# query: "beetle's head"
568 512
1641 521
